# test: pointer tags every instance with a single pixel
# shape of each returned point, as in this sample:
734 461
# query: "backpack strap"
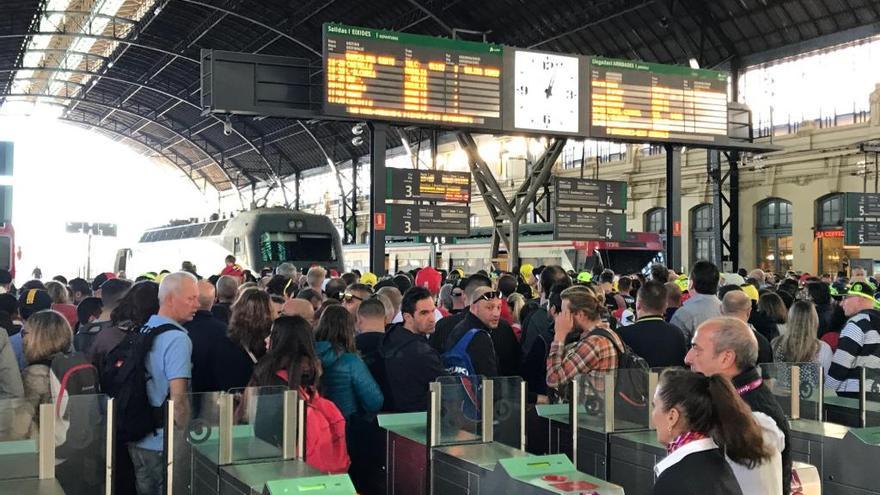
465 341
601 332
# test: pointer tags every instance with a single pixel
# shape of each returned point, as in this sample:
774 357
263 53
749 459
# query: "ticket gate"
455 446
547 474
75 460
599 410
246 442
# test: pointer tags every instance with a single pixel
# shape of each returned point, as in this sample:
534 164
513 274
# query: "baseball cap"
526 270
429 278
750 291
369 278
33 300
100 279
861 289
585 277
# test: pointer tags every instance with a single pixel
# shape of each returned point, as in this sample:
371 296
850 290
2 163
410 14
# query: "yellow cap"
369 278
526 270
750 291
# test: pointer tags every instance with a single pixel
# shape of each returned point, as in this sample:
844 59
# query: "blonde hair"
799 344
516 302
584 300
57 291
45 333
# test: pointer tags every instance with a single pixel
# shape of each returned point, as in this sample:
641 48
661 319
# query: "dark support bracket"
507 214
673 207
297 182
378 137
725 207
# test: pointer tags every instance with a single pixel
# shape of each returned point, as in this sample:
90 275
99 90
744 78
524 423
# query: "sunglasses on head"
457 293
348 296
488 296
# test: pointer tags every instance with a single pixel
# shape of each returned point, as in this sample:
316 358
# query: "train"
266 237
258 238
536 246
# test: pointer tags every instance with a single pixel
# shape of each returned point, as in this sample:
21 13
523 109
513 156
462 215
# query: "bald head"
206 295
736 304
299 307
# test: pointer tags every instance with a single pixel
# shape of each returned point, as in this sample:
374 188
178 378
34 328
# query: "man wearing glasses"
354 295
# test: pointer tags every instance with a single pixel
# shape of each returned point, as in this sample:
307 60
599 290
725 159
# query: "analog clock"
546 96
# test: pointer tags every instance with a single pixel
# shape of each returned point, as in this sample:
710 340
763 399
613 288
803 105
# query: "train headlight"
300 224
295 224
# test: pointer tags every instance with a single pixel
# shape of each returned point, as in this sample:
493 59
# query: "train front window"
5 252
284 246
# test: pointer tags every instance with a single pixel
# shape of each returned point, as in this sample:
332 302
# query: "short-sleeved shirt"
169 359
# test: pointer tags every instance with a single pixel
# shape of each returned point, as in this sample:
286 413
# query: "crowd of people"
371 345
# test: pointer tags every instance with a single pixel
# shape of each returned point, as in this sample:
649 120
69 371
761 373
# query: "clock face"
546 96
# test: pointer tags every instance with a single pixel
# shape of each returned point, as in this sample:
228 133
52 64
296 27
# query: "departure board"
408 220
428 185
861 205
400 77
589 226
638 100
590 193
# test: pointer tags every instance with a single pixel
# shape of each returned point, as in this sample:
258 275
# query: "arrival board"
384 75
633 100
408 220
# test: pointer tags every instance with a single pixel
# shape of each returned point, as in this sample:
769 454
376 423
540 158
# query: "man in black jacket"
658 342
502 336
410 363
537 332
483 315
211 372
727 346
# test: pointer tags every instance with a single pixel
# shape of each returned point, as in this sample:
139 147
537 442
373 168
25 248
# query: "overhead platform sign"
590 193
589 226
411 220
428 185
642 101
862 219
373 74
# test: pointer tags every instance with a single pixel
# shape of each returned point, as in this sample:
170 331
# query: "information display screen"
428 185
408 220
385 75
590 193
589 226
861 233
860 205
654 102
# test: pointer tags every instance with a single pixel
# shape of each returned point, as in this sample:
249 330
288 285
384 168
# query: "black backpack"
87 334
124 377
631 397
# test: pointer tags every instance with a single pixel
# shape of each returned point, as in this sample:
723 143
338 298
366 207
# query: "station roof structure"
129 68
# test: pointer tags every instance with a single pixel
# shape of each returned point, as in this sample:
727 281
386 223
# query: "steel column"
673 206
378 137
713 164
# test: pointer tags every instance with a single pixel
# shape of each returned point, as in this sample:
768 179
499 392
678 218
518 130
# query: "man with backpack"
167 366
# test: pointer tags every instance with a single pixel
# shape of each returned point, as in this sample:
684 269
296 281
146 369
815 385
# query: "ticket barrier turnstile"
452 449
544 475
30 466
598 412
222 457
334 484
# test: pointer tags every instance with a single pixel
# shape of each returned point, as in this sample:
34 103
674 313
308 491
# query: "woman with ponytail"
701 419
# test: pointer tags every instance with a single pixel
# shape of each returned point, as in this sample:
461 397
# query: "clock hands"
549 91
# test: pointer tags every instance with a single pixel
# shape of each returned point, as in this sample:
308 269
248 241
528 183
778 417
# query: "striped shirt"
590 352
859 346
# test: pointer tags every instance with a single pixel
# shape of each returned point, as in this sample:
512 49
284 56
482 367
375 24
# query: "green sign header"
412 39
672 70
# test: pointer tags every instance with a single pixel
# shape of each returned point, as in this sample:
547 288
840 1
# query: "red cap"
430 279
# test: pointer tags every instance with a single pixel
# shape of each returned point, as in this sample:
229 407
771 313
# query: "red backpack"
325 434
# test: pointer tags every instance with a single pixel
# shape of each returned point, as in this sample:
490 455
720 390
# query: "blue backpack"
457 361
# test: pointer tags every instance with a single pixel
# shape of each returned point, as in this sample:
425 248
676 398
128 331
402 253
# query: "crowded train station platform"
434 247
